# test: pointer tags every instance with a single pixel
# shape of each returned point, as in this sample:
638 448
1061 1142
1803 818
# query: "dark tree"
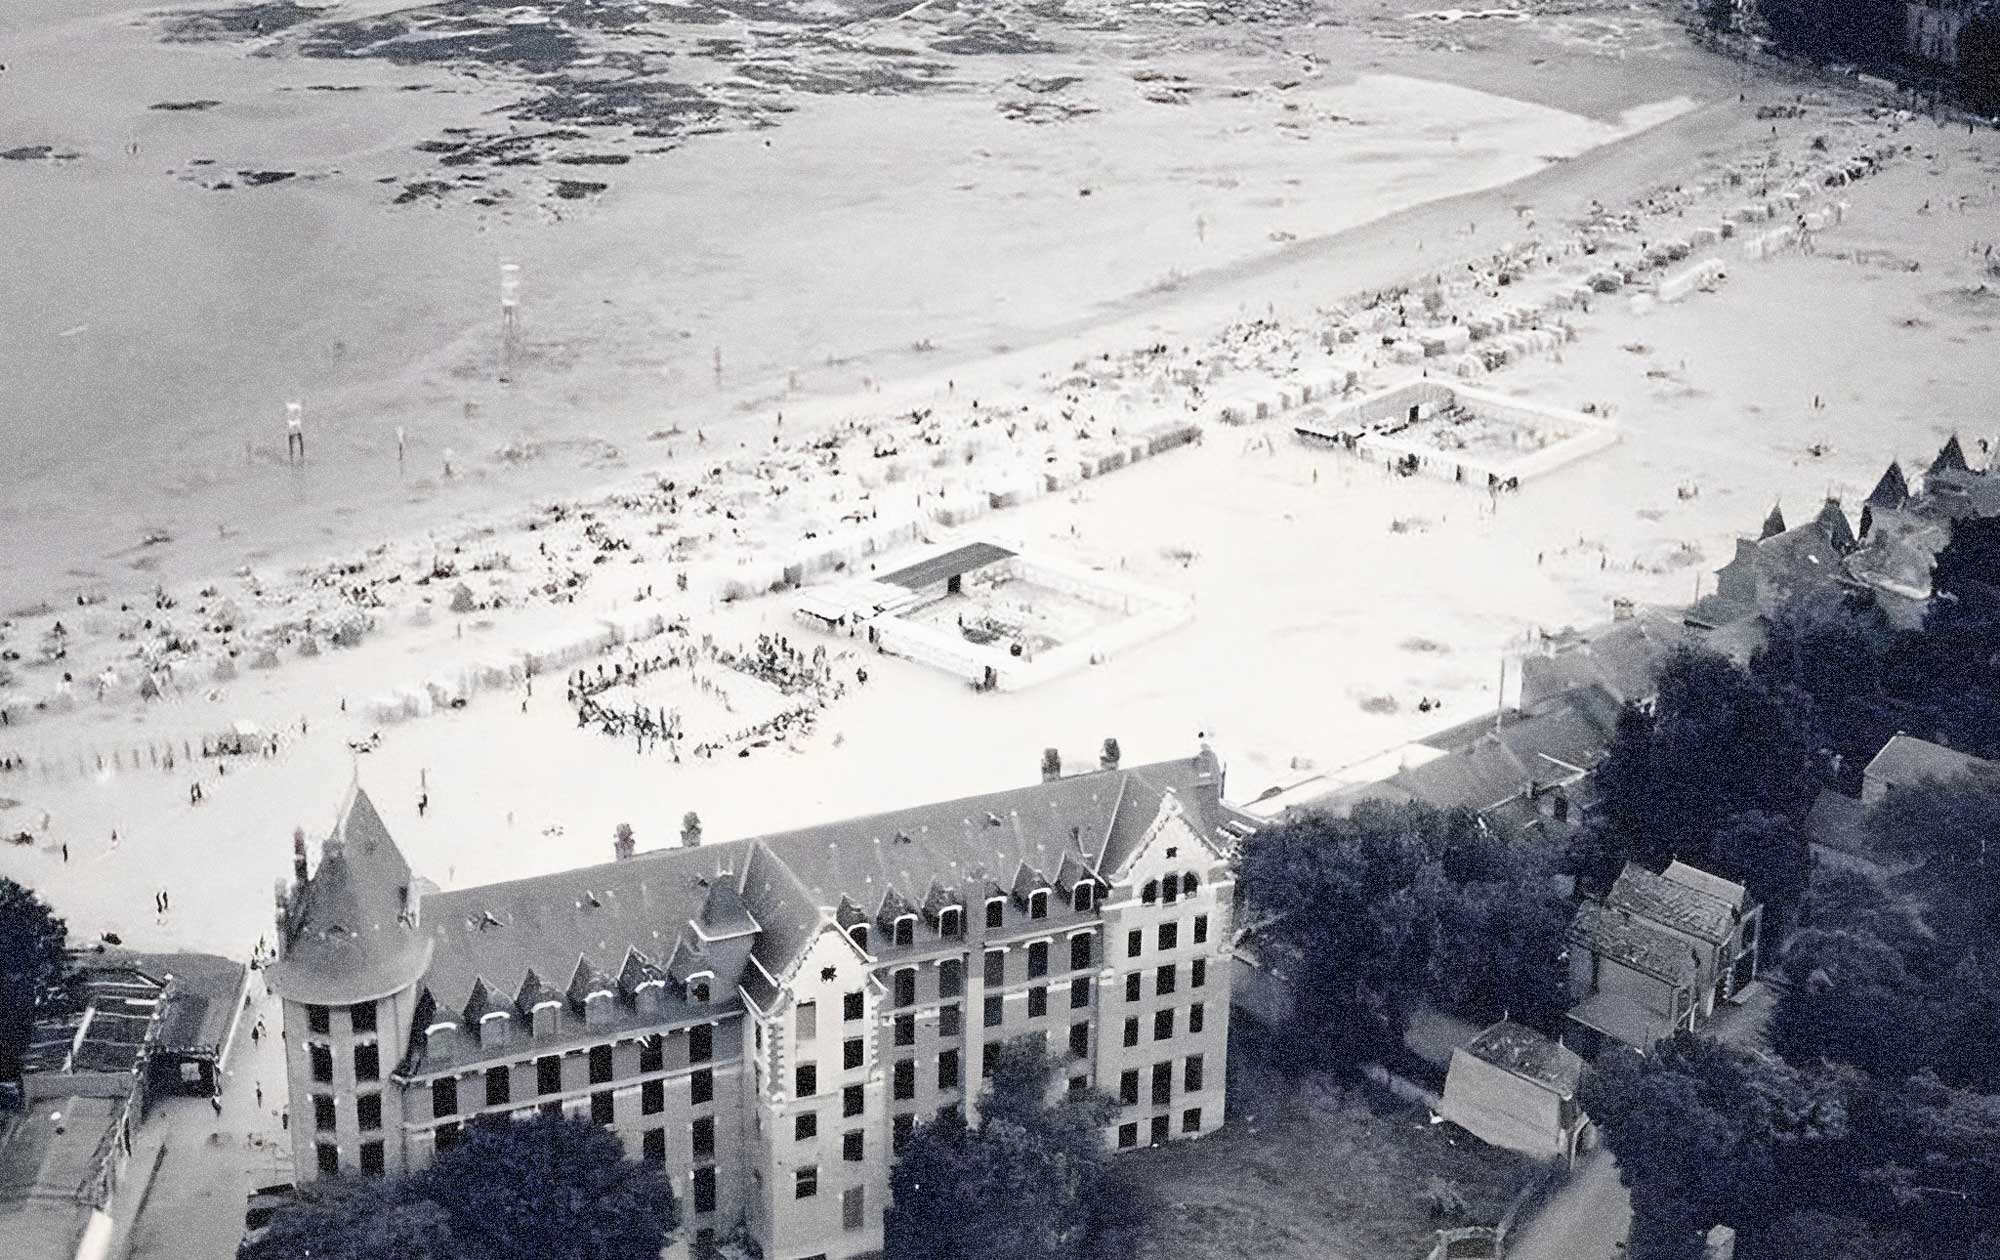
1716 744
552 1187
1023 1185
1718 16
1979 61
1770 857
36 978
358 1218
1948 827
1821 30
1367 914
1852 999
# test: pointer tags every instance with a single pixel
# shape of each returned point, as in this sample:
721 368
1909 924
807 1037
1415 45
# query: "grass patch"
1312 1167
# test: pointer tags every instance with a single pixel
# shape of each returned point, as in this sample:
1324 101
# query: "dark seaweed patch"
176 107
257 179
189 26
578 189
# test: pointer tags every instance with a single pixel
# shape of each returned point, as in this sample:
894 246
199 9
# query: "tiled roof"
1624 658
1906 759
1527 1053
1629 939
1479 778
352 932
958 560
1672 903
1727 891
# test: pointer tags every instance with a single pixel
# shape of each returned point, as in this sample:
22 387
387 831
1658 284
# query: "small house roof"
1529 1055
1677 904
1633 940
950 564
1906 759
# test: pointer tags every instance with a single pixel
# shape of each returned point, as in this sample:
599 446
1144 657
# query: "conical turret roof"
353 934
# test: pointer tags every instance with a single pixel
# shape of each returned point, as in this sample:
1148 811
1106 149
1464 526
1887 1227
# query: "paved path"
1586 1220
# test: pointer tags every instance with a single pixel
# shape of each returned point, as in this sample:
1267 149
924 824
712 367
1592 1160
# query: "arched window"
906 929
1038 904
859 935
951 922
1079 898
1151 893
1188 884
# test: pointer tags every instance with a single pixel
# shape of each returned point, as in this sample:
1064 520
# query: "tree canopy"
1023 1185
1368 913
547 1186
36 976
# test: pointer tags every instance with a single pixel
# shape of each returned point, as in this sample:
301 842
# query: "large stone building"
770 1018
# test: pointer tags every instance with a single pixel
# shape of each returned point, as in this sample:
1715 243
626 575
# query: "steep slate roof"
1530 1055
746 910
1900 552
1671 903
1634 941
1950 457
1891 492
1774 524
1906 759
1833 519
352 929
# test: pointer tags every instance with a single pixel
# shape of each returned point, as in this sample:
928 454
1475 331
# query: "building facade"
771 1018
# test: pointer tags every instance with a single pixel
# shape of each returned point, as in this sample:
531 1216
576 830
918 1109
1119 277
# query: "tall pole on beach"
510 301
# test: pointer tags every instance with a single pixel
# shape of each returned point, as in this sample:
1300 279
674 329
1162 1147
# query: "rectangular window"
1079 951
1163 982
1038 960
1160 1134
1079 1038
1038 904
323 1118
996 967
322 1064
904 1080
1170 936
701 1043
499 1086
1201 929
805 1126
1132 987
329 1160
853 1207
652 1098
1198 973
854 1145
548 1074
1191 1075
449 1135
1163 1024
1077 1084
1128 1136
805 1021
318 1021
900 1129
851 1100
951 978
704 1189
654 1146
906 1030
993 1012
1163 1083
805 1080
948 1020
368 1112
701 1137
601 1109
1194 1018
1038 1001
1128 1087
805 1182
701 1087
361 1017
652 1055
1079 993
852 1054
368 1062
850 1006
444 1097
1172 889
906 986
600 1065
371 1159
1131 1032
1135 943
947 1077
993 912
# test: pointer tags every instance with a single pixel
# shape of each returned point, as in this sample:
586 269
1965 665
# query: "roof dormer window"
858 933
951 922
1038 904
995 912
698 987
906 929
1081 897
